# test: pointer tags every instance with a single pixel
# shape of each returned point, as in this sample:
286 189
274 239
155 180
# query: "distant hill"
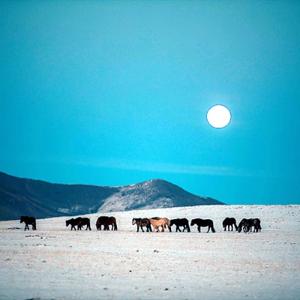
20 196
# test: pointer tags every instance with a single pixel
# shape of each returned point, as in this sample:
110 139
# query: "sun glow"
218 116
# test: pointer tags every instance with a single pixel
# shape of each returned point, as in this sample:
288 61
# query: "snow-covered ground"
55 263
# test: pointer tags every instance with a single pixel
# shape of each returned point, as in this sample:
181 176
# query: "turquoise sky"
116 92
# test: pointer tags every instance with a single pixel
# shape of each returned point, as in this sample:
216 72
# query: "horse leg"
199 228
142 228
137 228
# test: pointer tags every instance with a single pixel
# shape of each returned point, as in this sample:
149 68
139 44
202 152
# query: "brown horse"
160 222
142 222
105 222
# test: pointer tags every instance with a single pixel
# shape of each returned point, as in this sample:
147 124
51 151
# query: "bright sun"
218 116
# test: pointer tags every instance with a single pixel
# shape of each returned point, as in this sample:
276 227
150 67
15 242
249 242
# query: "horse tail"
169 224
188 227
236 228
224 224
34 225
212 227
258 225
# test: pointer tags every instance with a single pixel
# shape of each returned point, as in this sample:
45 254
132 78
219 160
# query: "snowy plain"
56 263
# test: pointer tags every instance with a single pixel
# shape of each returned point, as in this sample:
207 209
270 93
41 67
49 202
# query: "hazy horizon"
149 179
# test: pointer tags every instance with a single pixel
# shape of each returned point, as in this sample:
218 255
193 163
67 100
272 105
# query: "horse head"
172 222
241 225
133 221
68 222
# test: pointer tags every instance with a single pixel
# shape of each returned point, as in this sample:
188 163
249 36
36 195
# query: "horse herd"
158 224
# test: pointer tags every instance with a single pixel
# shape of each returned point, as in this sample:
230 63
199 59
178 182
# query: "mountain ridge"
24 196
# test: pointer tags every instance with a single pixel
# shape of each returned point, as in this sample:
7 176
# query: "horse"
83 222
247 224
228 224
256 224
140 223
203 223
79 222
160 222
106 221
244 225
73 222
28 221
180 222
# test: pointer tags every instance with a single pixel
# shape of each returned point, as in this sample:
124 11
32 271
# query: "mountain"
155 193
21 196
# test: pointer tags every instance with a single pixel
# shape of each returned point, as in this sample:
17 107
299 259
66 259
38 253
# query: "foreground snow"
55 263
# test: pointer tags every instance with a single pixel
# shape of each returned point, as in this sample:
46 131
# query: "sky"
116 92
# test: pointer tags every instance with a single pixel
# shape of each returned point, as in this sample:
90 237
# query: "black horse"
247 224
79 222
142 222
181 223
28 221
203 223
105 222
244 225
228 224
